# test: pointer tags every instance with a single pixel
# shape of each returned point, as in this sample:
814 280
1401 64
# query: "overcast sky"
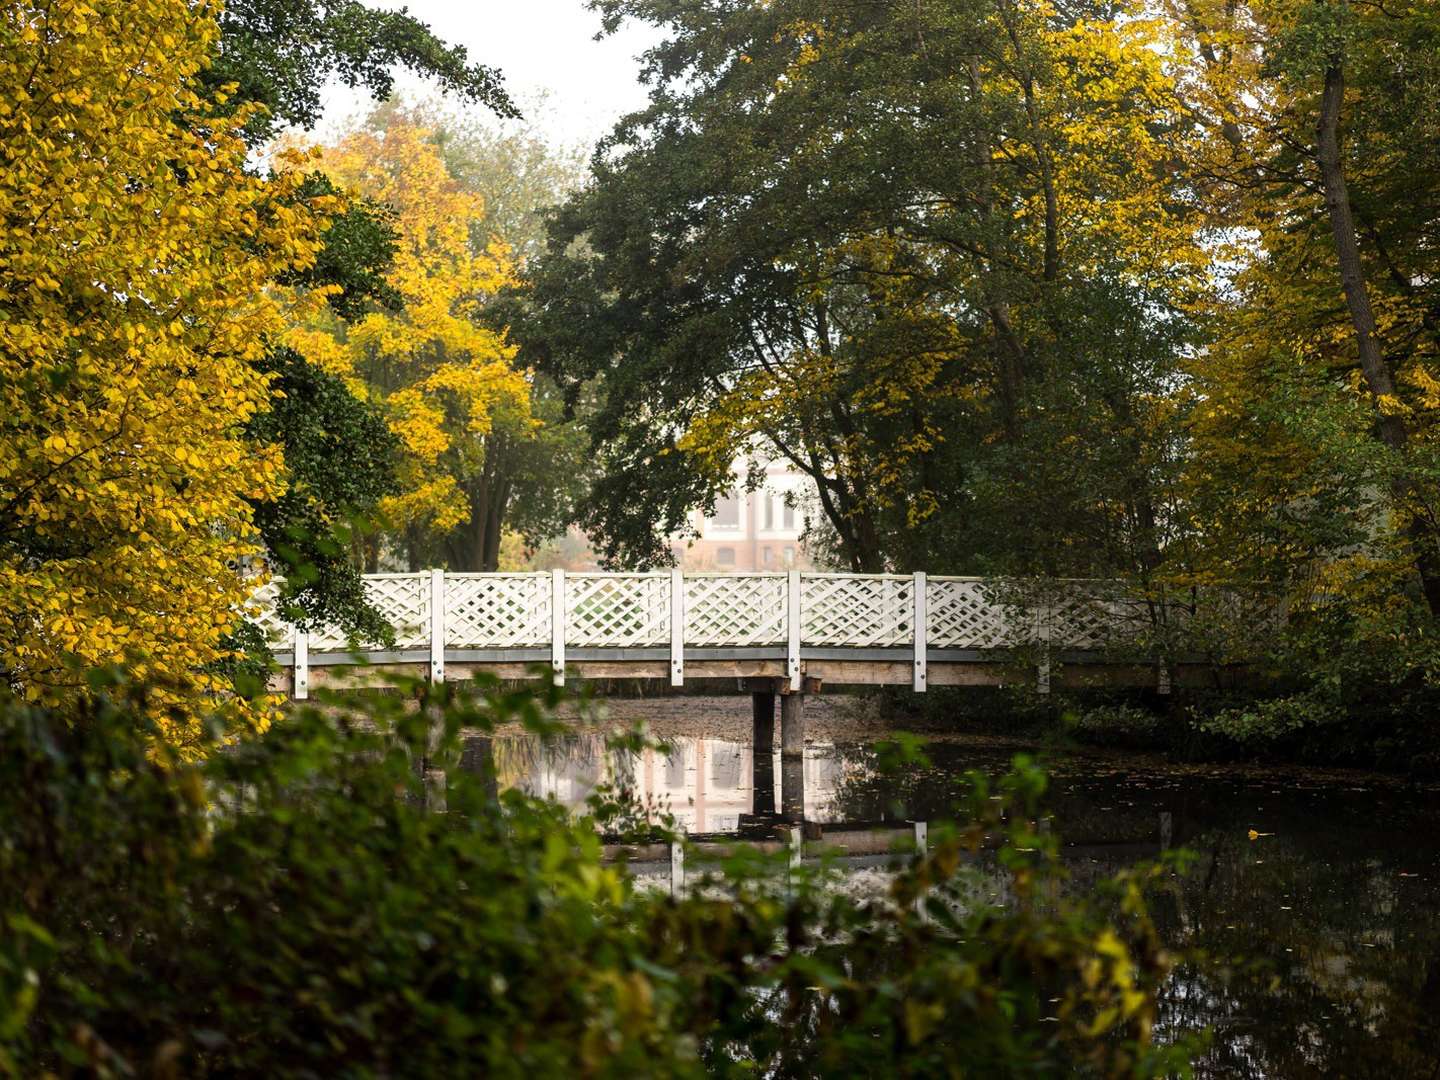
541 46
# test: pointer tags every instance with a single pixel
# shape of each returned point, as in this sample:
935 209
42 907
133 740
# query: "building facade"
752 530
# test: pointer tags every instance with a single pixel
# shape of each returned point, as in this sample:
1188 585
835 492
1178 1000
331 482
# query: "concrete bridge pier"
792 787
792 725
762 743
762 713
763 785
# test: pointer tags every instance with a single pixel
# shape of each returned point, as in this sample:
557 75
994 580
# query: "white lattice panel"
838 610
263 611
734 610
404 601
617 610
965 614
1093 615
497 611
861 610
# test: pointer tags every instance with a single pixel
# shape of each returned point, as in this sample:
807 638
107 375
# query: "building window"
725 556
789 557
727 511
770 511
724 766
767 556
675 768
789 516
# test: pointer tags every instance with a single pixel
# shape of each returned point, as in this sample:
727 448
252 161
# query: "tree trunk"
1009 352
475 545
1378 377
495 525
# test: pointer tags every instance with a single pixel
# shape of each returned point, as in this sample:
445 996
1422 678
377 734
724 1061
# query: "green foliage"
359 248
341 459
1115 723
280 53
288 907
803 248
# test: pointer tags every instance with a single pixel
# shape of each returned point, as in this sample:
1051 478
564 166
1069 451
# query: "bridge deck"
888 629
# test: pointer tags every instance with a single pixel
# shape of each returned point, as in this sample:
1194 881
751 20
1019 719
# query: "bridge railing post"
557 625
437 626
1043 628
793 626
920 619
300 663
677 627
677 865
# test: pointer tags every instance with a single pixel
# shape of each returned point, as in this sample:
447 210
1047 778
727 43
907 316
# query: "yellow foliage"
440 377
138 261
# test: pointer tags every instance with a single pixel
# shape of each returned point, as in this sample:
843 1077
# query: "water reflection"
1317 945
708 784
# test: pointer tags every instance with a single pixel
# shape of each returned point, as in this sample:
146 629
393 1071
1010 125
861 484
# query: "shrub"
288 908
1116 723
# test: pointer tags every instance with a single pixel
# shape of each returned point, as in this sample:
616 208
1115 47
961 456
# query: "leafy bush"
1116 722
288 907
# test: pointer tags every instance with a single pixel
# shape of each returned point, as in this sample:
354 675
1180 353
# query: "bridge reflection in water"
707 784
1328 924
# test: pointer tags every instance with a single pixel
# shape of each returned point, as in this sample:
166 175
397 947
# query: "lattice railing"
404 601
264 612
863 611
735 609
617 610
787 612
967 613
497 611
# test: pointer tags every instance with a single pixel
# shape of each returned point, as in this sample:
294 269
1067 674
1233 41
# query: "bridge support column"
792 787
792 756
762 782
762 715
762 742
792 725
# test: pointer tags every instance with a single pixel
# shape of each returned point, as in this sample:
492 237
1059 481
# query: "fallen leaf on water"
1256 835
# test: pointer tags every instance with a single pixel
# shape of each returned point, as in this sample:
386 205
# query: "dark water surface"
1321 936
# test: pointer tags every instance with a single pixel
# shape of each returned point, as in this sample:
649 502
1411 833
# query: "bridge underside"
819 667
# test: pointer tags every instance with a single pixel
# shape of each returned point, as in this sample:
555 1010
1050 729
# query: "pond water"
1320 938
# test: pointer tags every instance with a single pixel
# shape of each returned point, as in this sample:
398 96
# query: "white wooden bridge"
796 630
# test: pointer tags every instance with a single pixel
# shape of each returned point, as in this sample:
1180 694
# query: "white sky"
542 47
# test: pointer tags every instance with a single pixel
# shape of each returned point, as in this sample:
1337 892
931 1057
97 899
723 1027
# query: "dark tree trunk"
1378 377
475 545
495 526
1009 352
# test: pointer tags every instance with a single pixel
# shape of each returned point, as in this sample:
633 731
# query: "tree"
1315 453
529 469
280 53
859 239
340 459
535 475
139 264
444 382
277 54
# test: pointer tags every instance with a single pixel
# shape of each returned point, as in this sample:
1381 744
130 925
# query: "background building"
752 530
